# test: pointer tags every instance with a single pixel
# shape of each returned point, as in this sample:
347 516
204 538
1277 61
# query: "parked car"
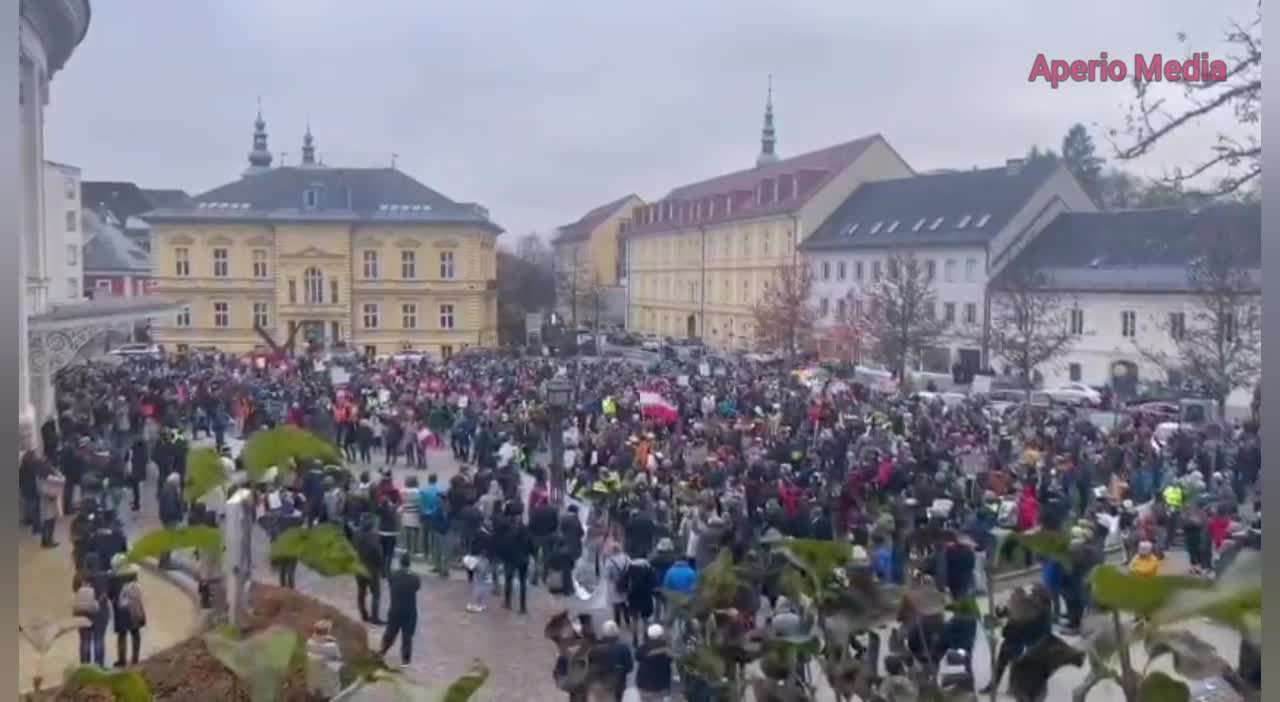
137 351
1075 394
651 343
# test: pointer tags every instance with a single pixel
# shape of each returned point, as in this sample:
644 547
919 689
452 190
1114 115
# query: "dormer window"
853 229
982 221
311 198
964 222
875 228
919 224
892 226
936 223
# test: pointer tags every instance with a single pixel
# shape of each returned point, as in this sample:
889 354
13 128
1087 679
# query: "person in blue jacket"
680 577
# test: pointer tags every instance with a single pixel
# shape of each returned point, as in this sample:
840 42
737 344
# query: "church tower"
768 137
260 156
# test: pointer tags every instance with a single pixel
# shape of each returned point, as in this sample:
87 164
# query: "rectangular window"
949 312
446 265
73 289
930 270
370 315
293 291
70 185
1074 372
949 271
970 313
971 270
842 309
221 315
311 198
746 290
930 310
184 317
446 316
875 271
409 315
841 270
73 255
893 269
73 220
1077 322
333 291
1229 328
826 270
1177 325
260 263
1128 323
822 307
181 262
857 309
857 271
221 265
446 351
408 265
183 348
370 351
260 316
370 265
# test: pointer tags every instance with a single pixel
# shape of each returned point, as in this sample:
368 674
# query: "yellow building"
700 258
368 257
588 262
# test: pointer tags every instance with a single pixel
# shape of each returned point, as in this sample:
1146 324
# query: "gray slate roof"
343 195
1138 250
582 228
991 193
166 197
109 250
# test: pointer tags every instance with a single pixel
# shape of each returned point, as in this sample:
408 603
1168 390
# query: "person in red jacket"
1028 509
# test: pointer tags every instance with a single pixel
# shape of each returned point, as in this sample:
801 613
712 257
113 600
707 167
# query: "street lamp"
559 393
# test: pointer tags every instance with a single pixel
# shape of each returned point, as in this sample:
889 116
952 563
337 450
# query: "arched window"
313 286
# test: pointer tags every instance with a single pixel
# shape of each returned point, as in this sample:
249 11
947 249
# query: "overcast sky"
543 110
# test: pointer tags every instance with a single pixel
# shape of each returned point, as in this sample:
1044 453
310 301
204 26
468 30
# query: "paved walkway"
44 592
519 656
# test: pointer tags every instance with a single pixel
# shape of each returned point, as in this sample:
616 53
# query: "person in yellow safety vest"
1173 496
609 407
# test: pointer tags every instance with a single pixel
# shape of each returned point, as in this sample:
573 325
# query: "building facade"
1125 276
115 265
64 237
700 258
590 266
963 226
366 257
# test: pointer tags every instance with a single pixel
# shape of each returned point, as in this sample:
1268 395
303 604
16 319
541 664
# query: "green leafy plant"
261 661
284 448
124 685
205 472
322 548
158 542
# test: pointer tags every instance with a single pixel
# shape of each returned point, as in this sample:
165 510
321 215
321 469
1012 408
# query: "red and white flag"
655 406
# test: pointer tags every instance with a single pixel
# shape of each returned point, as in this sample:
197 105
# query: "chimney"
1013 166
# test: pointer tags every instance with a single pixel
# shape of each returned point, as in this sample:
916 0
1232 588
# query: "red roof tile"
804 175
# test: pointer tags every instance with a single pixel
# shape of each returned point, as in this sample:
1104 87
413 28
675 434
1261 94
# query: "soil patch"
188 672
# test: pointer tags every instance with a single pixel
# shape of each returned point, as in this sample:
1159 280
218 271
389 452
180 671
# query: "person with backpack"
92 602
128 612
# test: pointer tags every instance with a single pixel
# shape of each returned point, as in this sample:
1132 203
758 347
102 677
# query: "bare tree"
582 293
1029 324
1218 342
533 248
902 317
844 334
784 319
1237 157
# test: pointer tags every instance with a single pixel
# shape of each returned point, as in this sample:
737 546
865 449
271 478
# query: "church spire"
260 156
308 147
768 138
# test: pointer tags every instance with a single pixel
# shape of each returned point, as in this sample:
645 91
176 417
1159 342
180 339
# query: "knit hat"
860 557
666 545
655 631
610 629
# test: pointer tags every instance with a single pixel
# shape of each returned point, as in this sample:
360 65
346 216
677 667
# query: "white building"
964 226
1125 275
63 236
50 335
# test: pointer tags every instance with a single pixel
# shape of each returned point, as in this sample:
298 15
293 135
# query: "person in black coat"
641 583
369 548
127 612
543 522
515 547
138 460
612 658
654 665
402 616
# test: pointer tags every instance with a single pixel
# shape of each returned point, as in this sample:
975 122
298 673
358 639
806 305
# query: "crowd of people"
665 466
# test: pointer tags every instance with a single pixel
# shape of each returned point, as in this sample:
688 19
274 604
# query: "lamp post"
559 393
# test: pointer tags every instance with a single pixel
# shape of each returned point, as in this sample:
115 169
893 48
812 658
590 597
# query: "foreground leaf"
1029 676
1116 589
262 661
158 542
322 548
204 473
1054 545
1234 599
1193 657
284 448
465 687
43 634
124 685
1158 687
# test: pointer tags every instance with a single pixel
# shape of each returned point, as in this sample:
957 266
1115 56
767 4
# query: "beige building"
589 265
700 258
368 257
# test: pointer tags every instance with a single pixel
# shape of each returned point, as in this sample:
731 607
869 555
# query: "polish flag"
655 406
